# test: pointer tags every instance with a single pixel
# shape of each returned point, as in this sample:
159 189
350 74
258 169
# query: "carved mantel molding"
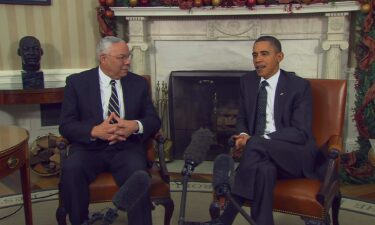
147 24
345 6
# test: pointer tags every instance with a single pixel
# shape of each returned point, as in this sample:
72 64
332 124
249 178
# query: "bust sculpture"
31 53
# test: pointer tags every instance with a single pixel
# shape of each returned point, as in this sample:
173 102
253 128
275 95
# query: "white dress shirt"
271 92
105 95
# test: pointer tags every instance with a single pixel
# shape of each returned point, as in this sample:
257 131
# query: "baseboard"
351 145
358 206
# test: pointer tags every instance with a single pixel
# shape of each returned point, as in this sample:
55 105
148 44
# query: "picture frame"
26 2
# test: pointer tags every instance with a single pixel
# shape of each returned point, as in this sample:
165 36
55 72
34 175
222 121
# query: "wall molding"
50 75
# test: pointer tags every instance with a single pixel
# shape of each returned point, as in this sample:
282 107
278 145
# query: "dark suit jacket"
292 113
82 109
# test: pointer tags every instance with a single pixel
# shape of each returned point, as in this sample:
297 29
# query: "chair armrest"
160 140
330 186
335 143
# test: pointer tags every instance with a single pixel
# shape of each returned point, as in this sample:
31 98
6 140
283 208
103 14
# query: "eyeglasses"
122 57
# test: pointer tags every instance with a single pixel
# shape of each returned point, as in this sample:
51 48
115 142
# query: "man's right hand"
241 140
105 130
239 144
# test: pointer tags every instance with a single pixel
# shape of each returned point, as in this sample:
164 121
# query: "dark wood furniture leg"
25 180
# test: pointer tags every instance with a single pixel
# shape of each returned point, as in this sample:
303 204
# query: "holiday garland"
359 166
107 23
106 18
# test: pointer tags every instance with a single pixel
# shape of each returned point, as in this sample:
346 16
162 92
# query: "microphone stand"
224 190
186 172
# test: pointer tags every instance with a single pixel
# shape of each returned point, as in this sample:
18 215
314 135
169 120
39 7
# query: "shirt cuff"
140 128
266 136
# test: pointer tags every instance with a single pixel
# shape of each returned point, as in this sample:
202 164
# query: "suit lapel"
280 97
125 92
95 95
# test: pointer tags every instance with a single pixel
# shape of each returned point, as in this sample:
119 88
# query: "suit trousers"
82 167
262 163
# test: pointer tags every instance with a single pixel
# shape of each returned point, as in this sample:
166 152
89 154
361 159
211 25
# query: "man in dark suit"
107 114
275 138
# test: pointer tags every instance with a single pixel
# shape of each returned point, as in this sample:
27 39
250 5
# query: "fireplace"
203 99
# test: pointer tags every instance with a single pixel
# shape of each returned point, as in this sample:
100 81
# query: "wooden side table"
14 155
17 95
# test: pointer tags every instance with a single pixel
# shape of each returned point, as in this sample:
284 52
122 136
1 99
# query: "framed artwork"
26 2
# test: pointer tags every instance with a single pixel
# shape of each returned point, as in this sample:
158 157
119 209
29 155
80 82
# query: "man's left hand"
125 128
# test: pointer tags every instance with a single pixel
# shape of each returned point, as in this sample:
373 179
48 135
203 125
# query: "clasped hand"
114 132
240 143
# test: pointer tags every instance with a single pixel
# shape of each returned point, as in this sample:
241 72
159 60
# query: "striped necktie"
113 105
260 123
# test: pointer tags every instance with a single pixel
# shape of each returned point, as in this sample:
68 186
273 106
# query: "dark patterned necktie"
113 105
260 122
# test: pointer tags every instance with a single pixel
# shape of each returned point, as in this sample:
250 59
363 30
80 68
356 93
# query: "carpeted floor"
198 201
196 210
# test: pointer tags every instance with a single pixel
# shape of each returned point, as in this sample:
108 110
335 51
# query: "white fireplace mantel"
237 11
315 36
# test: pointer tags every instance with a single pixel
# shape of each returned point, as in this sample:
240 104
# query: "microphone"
196 151
134 188
221 182
201 140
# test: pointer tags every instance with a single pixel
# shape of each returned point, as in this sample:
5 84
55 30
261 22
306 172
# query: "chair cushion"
298 197
104 187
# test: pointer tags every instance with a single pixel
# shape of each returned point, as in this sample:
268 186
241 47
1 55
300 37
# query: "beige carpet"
196 210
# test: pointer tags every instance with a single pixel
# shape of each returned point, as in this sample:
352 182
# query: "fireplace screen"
203 99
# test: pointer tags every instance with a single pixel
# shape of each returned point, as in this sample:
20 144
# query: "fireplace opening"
203 99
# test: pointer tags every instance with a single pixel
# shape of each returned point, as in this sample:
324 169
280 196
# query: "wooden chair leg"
336 208
168 205
169 208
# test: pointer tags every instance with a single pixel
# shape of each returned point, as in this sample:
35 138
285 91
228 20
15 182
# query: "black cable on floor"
46 196
21 206
11 214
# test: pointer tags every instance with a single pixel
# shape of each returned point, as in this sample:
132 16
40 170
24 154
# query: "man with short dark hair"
274 138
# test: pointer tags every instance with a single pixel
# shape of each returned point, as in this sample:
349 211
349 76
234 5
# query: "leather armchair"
311 198
104 187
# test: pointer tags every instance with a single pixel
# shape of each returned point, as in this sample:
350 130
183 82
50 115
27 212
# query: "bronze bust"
31 53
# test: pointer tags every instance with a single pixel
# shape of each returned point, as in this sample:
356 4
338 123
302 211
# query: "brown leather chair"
104 186
311 198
